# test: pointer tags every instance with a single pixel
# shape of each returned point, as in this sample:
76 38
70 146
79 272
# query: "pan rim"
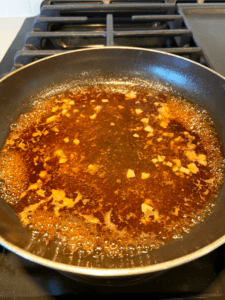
105 271
106 48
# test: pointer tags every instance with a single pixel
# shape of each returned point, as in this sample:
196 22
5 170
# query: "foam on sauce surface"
97 165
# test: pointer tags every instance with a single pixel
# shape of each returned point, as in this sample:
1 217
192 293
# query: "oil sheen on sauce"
111 166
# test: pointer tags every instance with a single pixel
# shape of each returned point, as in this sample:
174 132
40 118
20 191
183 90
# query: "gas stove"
191 29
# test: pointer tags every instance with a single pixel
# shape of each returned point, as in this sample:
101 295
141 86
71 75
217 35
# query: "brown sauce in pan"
112 166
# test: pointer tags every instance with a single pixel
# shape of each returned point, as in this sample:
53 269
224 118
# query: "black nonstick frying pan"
198 84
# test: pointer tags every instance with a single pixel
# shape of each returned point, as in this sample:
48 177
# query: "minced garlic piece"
61 201
93 116
138 128
159 139
176 212
164 111
51 119
130 173
64 106
161 158
175 168
185 170
54 109
66 140
193 168
144 221
202 162
64 111
164 124
191 146
130 95
201 157
136 135
76 141
150 134
33 186
98 108
156 215
148 128
177 162
149 211
146 209
62 156
112 124
41 193
145 175
154 160
105 100
120 106
191 155
145 120
169 164
10 142
92 169
55 129
138 111
90 219
22 146
178 139
62 160
169 134
59 153
43 174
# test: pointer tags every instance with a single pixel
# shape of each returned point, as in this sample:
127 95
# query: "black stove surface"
20 278
202 278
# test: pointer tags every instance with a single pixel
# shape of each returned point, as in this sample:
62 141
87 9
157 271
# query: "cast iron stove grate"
65 25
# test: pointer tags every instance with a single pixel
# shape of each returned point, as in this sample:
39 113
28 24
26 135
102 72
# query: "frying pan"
20 90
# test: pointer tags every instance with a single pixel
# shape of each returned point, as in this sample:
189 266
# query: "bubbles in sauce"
102 169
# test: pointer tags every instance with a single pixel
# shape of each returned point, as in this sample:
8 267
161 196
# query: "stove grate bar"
110 33
36 38
39 39
180 51
41 23
66 10
156 17
166 32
